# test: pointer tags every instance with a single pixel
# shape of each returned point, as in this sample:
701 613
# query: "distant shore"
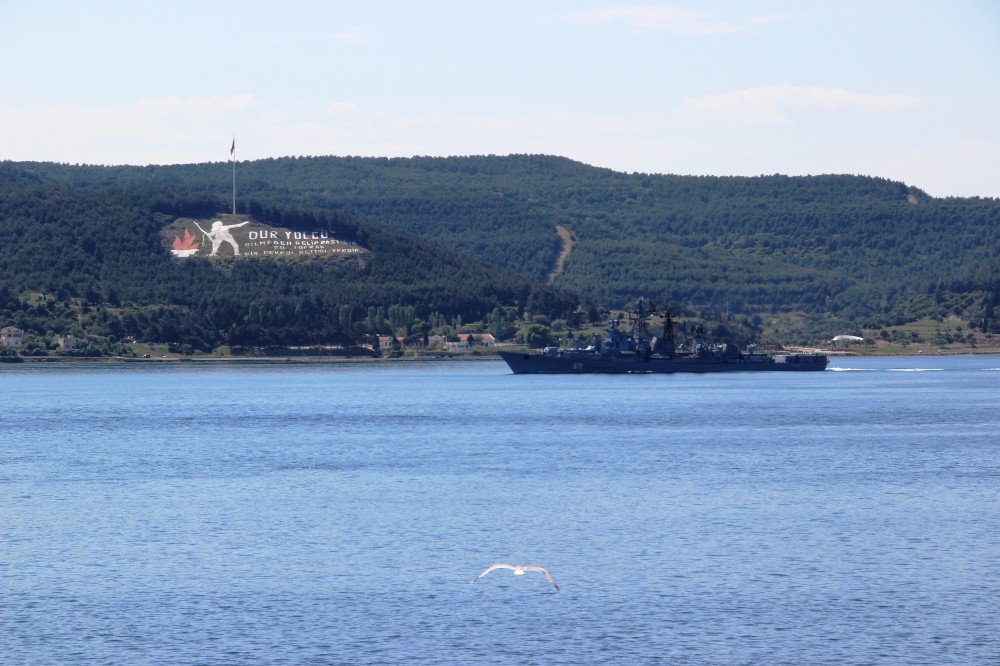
206 358
476 356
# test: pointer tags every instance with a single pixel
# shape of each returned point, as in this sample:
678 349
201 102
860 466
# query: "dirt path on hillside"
567 241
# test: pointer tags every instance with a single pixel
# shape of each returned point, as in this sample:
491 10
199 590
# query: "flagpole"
233 151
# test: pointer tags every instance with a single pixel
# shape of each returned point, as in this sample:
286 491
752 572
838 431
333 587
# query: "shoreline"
248 359
462 358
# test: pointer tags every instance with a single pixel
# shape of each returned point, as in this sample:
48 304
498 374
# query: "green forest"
92 263
464 236
849 246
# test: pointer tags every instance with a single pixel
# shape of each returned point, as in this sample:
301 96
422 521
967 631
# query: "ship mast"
640 329
668 328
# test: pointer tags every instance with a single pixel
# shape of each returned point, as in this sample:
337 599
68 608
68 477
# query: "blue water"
336 514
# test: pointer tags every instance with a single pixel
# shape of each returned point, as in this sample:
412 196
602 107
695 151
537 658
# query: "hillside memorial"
228 236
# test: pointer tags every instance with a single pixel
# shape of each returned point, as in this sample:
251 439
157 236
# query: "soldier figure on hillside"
220 234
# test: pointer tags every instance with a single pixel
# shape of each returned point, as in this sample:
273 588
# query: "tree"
537 336
499 325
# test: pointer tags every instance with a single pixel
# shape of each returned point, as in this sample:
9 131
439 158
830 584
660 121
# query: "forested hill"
850 246
95 263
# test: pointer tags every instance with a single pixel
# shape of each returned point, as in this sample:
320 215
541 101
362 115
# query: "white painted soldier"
220 234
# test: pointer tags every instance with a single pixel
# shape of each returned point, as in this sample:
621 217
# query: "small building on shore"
11 336
485 339
67 342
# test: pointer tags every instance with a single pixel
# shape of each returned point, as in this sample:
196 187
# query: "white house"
67 342
485 339
11 336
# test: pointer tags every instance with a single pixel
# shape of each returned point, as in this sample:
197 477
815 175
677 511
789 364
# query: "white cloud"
678 20
194 107
776 104
354 35
768 19
342 108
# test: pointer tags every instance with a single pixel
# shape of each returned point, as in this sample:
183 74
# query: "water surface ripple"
336 514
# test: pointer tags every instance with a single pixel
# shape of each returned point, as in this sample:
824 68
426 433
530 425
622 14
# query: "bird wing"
498 565
544 573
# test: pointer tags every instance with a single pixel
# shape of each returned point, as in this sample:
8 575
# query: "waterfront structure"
11 336
67 342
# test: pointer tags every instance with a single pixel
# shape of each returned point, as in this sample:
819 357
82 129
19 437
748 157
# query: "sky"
908 91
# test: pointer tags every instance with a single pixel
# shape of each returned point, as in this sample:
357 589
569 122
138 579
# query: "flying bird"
518 571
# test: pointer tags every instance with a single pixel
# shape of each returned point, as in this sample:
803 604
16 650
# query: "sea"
335 513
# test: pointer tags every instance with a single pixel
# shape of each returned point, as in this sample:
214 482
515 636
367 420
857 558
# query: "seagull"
518 571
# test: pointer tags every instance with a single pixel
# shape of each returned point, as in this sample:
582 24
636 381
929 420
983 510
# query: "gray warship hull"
568 362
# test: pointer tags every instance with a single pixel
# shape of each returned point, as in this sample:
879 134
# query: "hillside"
99 263
837 248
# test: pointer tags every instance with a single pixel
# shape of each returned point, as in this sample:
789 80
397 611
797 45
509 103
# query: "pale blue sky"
904 90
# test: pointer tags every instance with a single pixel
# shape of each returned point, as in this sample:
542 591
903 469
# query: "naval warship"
635 351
